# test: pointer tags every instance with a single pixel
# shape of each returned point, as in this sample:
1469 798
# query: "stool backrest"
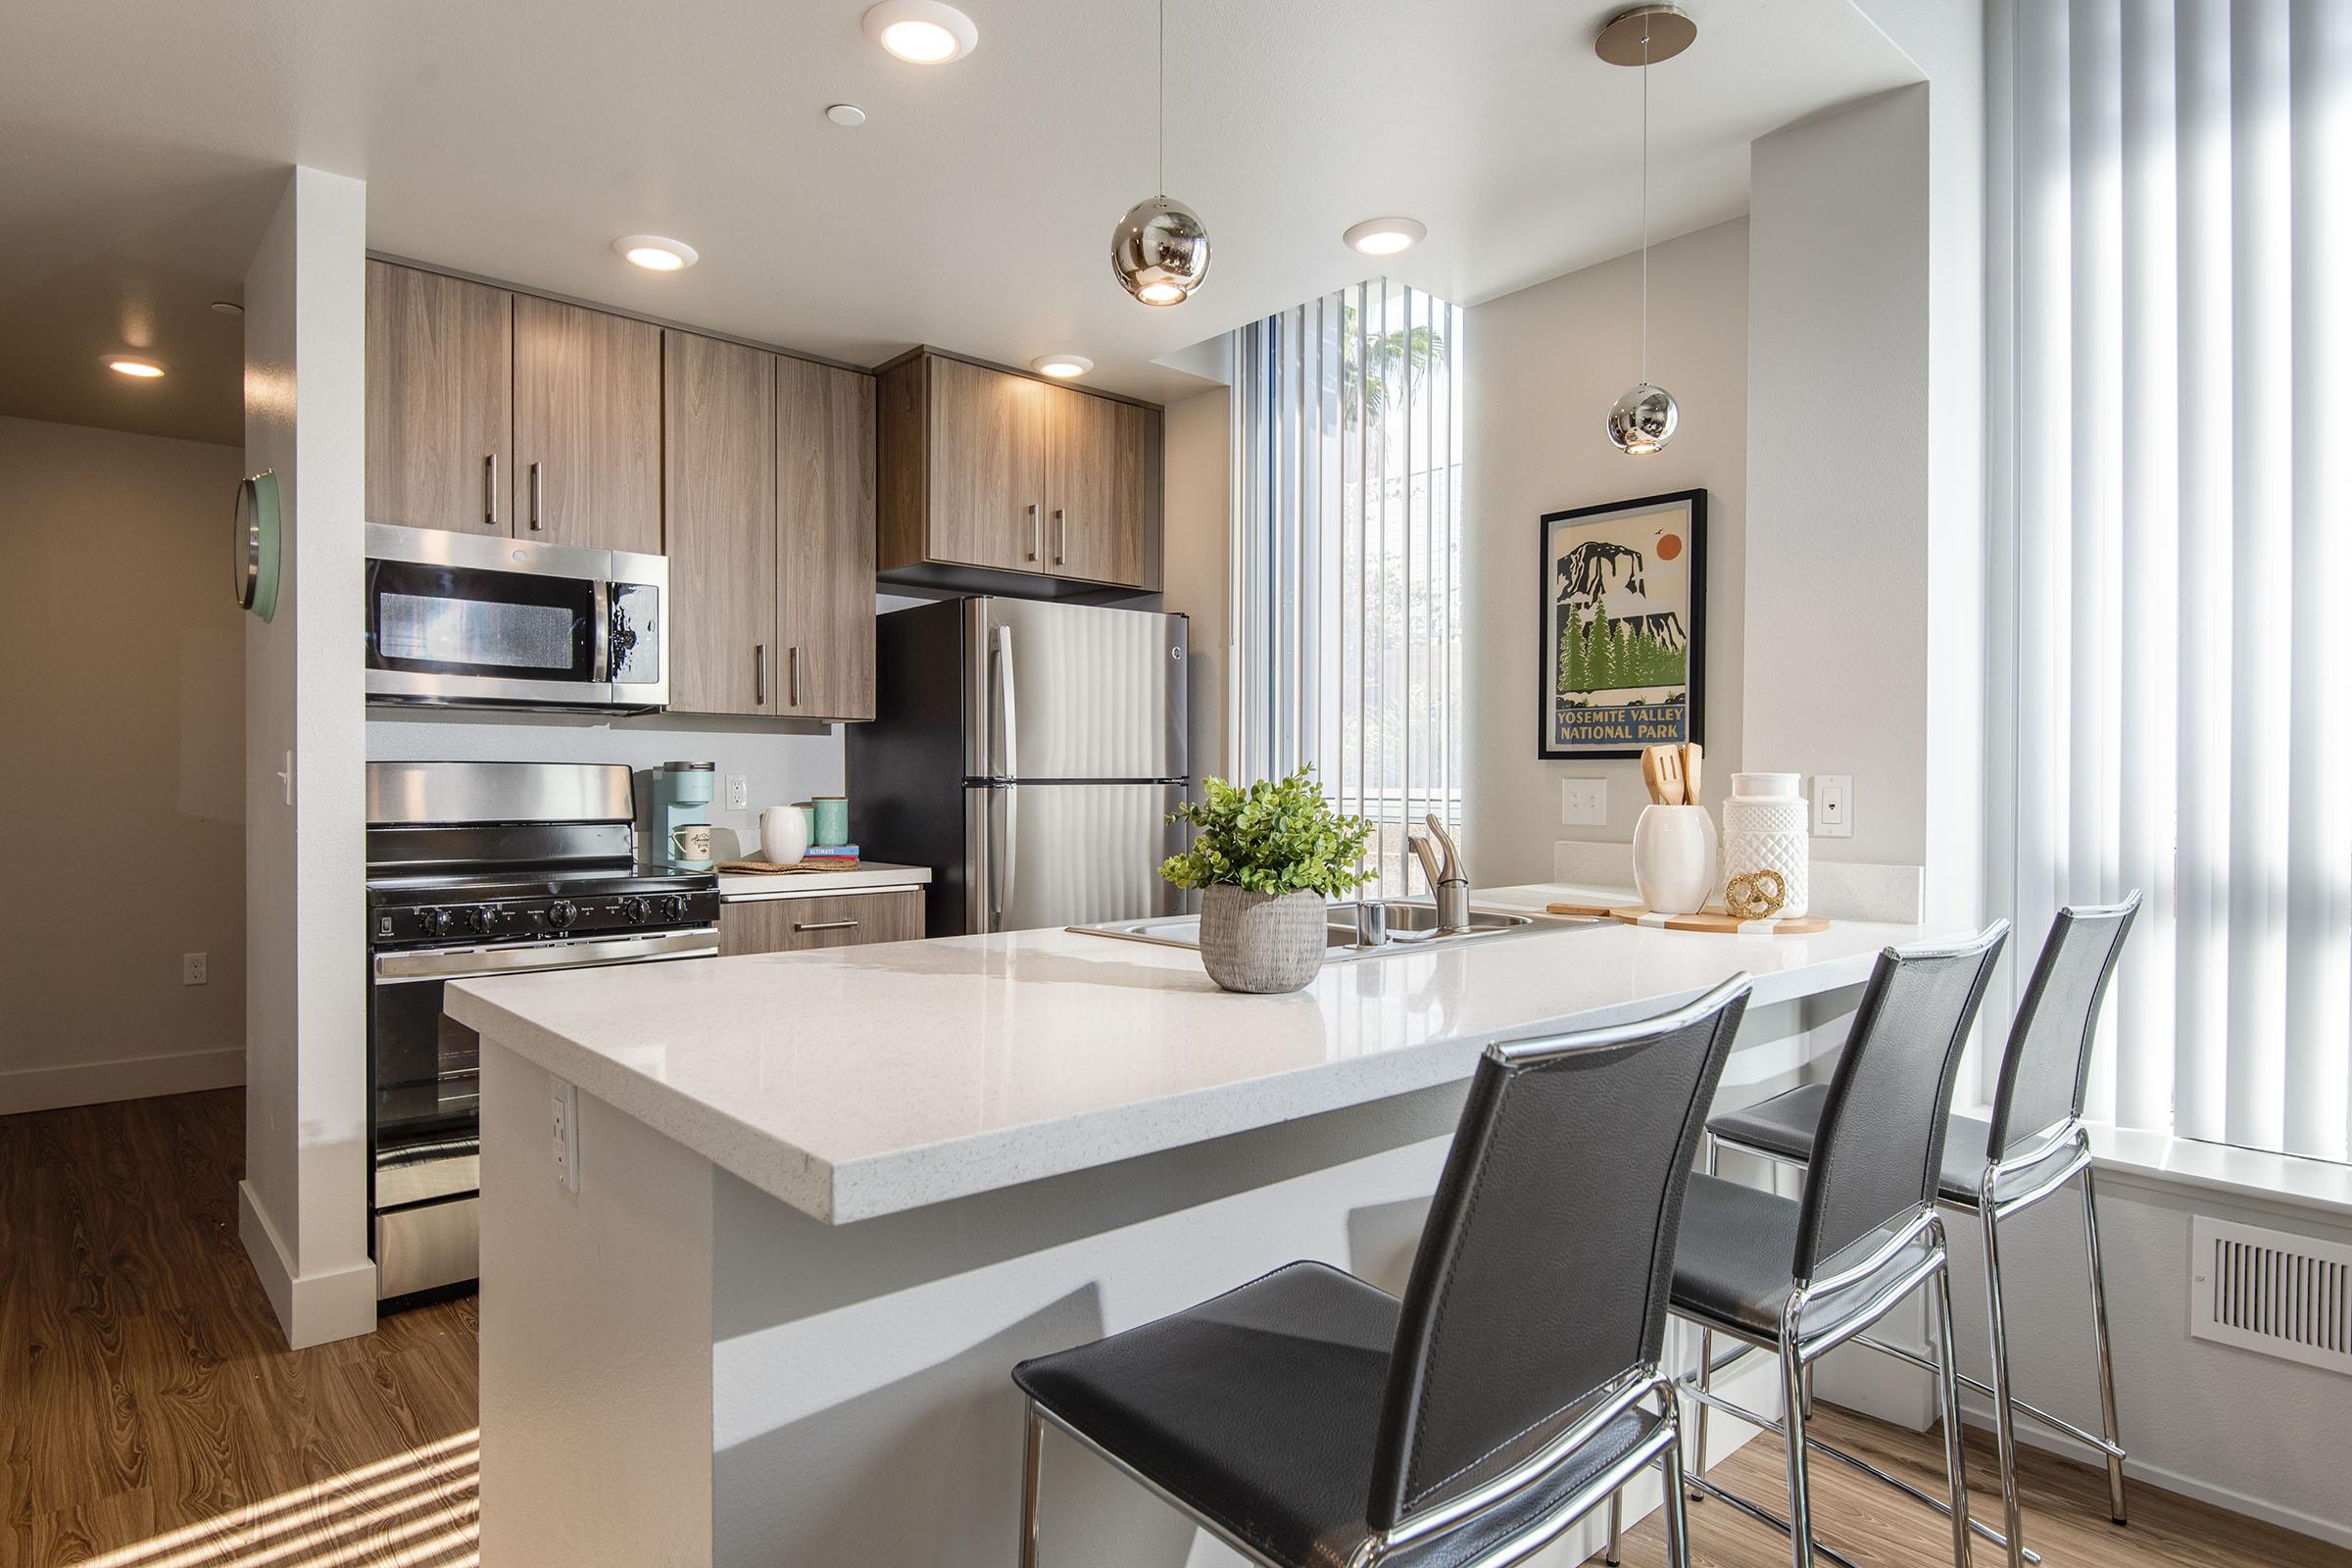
2047 1063
1879 1145
1543 1267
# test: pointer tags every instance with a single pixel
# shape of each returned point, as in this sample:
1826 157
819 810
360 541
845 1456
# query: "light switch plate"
739 792
1832 806
1584 801
563 1131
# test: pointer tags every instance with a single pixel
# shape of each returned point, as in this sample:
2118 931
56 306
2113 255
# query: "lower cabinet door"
804 924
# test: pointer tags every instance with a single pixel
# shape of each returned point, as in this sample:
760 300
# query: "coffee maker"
681 803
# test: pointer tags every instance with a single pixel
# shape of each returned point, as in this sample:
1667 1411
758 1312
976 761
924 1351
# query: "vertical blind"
1348 441
2172 680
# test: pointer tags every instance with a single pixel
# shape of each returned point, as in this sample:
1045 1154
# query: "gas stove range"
512 902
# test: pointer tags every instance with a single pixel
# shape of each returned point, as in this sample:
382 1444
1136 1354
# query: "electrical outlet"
192 971
563 1131
1584 801
739 792
1832 806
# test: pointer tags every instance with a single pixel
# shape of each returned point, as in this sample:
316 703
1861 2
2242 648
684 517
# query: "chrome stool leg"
1801 1497
1617 1525
1033 1454
1706 1349
2098 1329
1948 1389
1678 1525
2005 1413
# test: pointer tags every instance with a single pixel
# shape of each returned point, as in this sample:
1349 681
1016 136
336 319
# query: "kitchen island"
825 1200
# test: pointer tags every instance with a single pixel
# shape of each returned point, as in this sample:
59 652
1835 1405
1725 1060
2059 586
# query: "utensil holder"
1675 859
1766 827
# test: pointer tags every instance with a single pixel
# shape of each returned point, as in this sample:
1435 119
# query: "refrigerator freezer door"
1049 855
1073 691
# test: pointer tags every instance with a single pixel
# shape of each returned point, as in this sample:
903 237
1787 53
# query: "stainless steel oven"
460 619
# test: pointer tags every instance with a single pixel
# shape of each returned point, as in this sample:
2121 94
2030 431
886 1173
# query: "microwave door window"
448 621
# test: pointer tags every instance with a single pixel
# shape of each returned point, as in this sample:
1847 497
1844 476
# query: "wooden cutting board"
1718 921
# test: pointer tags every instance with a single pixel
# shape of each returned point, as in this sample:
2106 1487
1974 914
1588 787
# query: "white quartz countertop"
856 1082
865 878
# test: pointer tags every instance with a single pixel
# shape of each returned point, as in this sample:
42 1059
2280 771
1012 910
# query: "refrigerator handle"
1010 863
1006 727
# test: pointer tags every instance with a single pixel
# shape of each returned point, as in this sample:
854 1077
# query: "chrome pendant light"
1159 252
1644 419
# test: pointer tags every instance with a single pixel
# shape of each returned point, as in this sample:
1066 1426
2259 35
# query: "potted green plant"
1267 857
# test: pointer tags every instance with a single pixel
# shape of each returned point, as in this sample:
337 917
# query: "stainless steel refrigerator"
1029 754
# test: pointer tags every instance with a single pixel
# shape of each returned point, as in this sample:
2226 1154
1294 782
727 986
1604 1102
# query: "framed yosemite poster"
1623 625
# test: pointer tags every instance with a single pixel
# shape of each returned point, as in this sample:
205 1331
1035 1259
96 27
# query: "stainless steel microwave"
469 620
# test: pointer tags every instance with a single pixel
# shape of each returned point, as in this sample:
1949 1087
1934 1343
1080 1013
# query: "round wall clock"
254 545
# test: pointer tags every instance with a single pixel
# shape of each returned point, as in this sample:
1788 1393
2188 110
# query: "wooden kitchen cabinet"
718 488
825 579
804 924
439 384
991 481
587 427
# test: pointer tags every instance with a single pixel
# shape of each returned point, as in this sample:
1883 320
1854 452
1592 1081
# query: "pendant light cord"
1164 98
1644 190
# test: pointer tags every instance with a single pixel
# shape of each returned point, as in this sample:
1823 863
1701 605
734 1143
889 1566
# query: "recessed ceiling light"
1061 366
923 32
655 254
1386 237
227 308
845 113
132 365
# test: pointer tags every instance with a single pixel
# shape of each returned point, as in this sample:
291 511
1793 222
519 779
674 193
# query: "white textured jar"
1765 828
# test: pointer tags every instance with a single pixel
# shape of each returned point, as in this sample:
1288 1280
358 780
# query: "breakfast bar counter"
825 1200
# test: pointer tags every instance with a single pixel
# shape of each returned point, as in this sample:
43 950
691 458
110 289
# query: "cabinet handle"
490 490
534 498
1061 534
792 675
760 674
824 925
1037 532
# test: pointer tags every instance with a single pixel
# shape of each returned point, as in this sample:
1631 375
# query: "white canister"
784 834
1674 858
1766 827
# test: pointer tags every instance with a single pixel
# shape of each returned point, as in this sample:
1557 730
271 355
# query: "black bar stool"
1309 1420
1801 1278
2033 1145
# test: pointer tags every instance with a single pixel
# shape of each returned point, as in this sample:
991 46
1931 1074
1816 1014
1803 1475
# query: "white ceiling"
515 140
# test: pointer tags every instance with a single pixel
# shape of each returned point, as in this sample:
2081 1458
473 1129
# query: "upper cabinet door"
719 460
988 448
824 463
439 378
587 427
1096 461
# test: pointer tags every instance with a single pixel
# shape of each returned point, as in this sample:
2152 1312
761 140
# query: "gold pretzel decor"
1756 895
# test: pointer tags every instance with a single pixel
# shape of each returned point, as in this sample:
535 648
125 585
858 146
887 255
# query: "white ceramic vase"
1766 828
784 834
1674 858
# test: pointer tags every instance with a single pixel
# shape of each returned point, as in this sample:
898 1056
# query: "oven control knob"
561 914
634 909
473 921
436 922
666 907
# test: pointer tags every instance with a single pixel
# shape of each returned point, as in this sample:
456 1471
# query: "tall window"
2171 373
1347 444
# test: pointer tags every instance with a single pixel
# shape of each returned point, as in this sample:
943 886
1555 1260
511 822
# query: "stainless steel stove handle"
468 964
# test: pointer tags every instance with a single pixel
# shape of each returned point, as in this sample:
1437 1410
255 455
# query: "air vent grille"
2270 1291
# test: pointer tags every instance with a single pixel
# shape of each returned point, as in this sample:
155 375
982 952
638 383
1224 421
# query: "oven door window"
427 1068
456 620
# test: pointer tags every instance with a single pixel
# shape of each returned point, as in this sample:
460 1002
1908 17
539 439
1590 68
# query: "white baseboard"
2337 1532
313 1309
94 1083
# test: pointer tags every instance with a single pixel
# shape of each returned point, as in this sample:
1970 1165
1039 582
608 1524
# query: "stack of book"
831 857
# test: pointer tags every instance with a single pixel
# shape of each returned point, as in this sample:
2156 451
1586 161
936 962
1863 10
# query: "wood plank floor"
151 1418
150 1415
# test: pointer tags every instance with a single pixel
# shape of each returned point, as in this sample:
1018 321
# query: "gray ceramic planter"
1260 941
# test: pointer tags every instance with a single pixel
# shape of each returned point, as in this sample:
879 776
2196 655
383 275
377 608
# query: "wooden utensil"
1692 762
1662 771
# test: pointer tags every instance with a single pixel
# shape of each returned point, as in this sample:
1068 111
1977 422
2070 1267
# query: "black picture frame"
1634 731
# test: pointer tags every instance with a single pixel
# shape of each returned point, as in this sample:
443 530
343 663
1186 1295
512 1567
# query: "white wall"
1197 558
304 1201
782 764
124 715
1544 365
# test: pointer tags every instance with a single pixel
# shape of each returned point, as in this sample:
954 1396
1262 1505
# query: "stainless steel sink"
1412 926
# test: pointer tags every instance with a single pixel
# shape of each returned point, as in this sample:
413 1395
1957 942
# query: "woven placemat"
770 868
